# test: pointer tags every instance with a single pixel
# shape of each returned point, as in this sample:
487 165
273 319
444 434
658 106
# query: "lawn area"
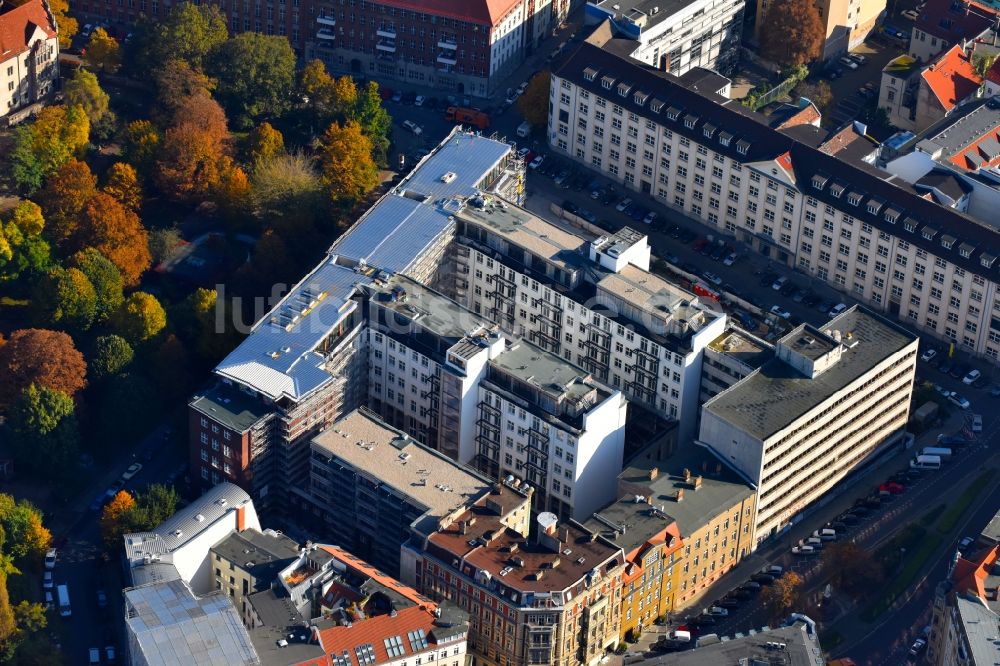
948 520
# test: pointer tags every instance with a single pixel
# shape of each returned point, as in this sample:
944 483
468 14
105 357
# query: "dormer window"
909 225
836 190
725 138
987 260
873 206
607 82
891 216
640 98
708 130
589 74
947 242
623 89
690 121
854 198
655 106
742 147
966 249
928 232
819 182
673 113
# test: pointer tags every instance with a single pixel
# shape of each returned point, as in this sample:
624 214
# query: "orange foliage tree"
65 194
122 183
191 156
348 168
115 519
42 357
116 232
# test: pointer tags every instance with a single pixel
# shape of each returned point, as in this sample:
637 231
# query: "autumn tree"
176 82
116 519
287 184
58 134
67 26
792 32
818 93
22 248
105 278
112 354
140 145
140 318
65 299
851 568
374 120
190 160
187 33
348 169
232 192
25 537
122 184
116 232
85 91
164 243
44 436
782 595
41 357
65 194
103 53
264 143
534 103
255 74
315 86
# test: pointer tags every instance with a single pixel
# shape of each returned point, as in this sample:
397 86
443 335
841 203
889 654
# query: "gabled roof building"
29 56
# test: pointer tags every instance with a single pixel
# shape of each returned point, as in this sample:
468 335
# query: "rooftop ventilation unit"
449 177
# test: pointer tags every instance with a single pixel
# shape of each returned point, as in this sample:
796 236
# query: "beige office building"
797 195
829 402
846 23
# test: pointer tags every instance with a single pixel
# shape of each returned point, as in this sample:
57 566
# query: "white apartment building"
782 192
29 56
591 300
827 403
675 35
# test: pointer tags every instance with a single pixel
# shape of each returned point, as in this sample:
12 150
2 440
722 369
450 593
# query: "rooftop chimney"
697 482
653 473
463 527
687 474
679 496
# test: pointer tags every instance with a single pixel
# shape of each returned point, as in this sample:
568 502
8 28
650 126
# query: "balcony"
448 59
448 43
386 31
326 20
325 34
386 46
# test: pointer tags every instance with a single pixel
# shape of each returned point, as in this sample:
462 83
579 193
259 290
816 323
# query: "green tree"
140 318
84 90
819 93
65 299
982 62
152 507
103 53
44 436
348 169
58 134
106 279
164 243
26 538
287 184
534 103
139 145
112 354
264 143
255 73
792 33
375 121
23 251
188 33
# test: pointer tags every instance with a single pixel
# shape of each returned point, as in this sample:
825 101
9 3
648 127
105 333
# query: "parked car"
623 204
728 602
537 162
858 58
836 310
649 218
762 578
413 127
910 14
847 62
132 470
47 582
778 312
50 559
109 654
95 656
778 284
971 377
712 277
917 647
946 366
718 611
928 355
730 259
959 401
977 423
995 391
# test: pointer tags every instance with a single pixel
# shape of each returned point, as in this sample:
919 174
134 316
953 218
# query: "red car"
892 487
699 244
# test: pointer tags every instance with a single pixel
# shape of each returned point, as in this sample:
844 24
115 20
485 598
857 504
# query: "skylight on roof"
394 646
418 640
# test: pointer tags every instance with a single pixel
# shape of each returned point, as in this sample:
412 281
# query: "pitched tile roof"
952 78
954 20
752 140
18 25
475 11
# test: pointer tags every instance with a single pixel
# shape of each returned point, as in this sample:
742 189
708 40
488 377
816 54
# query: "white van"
926 462
826 534
524 129
680 636
64 608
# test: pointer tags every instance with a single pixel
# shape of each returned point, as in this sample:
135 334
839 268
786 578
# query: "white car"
928 355
650 216
717 611
413 127
419 101
522 152
836 310
537 162
977 423
730 259
973 376
847 62
132 470
47 582
50 559
778 312
623 204
959 401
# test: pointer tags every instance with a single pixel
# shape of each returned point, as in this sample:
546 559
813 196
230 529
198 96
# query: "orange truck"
458 114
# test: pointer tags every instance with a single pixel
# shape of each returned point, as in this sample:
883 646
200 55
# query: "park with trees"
183 132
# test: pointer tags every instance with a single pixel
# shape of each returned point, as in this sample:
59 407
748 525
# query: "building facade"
676 37
846 23
29 56
554 598
247 562
781 191
828 403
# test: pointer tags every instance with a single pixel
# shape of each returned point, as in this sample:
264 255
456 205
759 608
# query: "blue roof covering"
468 156
393 233
277 357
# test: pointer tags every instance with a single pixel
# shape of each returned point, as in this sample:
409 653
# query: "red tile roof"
984 158
475 11
952 78
954 20
18 25
807 115
339 639
389 582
